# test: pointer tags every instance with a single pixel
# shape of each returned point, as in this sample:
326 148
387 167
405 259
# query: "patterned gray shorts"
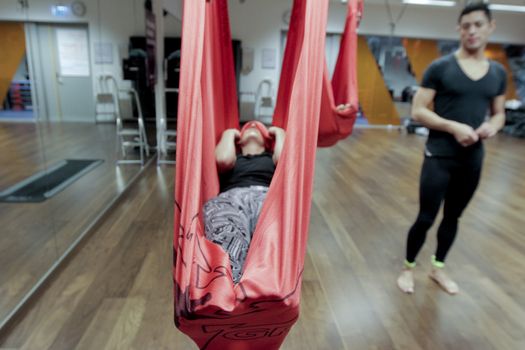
230 220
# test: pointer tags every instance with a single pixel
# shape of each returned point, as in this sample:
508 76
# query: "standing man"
467 91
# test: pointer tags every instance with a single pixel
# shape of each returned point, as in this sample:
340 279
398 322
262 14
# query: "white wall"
11 10
258 23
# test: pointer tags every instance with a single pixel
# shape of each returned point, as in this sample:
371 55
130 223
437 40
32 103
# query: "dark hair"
472 6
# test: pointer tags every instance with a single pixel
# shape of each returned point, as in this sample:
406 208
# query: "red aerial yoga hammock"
258 312
334 125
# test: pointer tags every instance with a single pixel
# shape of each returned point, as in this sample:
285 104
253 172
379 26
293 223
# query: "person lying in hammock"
230 218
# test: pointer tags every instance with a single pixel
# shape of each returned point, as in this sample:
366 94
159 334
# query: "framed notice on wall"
268 59
103 53
73 52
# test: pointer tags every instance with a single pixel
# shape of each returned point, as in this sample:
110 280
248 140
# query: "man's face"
474 29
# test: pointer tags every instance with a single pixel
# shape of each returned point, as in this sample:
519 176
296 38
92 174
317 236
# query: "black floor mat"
47 183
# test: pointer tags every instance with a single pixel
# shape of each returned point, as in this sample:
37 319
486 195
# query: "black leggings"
452 180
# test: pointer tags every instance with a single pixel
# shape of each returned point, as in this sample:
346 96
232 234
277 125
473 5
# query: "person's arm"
463 133
496 121
225 152
279 135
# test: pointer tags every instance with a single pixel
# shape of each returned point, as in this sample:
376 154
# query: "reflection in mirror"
392 59
27 242
59 168
70 134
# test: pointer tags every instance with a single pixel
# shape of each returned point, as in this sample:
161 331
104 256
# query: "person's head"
475 24
254 134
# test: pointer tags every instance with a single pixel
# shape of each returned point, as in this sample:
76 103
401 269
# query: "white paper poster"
268 58
73 53
103 53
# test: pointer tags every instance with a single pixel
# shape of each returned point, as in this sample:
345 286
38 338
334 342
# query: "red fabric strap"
258 312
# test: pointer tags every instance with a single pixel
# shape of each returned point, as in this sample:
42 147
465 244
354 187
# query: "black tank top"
252 170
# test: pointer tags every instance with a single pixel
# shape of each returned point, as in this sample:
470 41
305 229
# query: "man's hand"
486 130
464 134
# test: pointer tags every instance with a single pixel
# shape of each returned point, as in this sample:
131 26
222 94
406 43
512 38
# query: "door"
64 68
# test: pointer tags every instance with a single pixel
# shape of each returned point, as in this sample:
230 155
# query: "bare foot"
446 283
405 281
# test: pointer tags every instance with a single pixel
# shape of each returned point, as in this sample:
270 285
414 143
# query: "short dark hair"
472 6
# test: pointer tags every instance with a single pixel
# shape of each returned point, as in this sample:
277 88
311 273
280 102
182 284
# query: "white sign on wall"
73 52
103 53
268 59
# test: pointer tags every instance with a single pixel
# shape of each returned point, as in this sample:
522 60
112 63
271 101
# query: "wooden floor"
117 292
34 235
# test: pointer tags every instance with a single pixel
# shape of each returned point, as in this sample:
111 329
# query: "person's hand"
486 130
279 135
464 134
275 131
343 107
233 133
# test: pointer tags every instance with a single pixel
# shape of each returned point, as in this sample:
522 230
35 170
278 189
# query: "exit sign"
60 10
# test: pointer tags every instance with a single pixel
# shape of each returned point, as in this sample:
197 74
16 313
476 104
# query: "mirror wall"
63 105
